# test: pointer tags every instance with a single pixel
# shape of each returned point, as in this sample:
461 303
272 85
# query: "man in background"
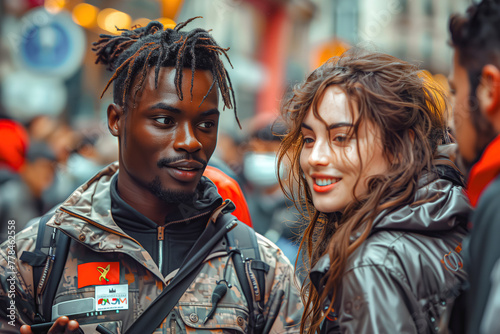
475 84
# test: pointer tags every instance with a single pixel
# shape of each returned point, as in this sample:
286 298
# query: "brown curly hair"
392 95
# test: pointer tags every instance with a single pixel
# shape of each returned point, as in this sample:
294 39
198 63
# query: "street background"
51 87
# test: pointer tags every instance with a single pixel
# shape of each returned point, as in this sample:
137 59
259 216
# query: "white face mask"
261 169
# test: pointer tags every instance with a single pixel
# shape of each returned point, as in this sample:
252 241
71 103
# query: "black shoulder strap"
154 315
251 272
43 260
58 260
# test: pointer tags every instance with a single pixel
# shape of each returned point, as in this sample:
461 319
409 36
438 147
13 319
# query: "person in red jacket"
228 188
14 145
475 82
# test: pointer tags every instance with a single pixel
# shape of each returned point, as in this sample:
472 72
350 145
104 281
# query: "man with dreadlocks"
148 244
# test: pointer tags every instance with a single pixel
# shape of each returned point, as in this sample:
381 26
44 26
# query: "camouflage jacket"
100 251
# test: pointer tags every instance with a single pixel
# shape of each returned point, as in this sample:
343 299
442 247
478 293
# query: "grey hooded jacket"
405 276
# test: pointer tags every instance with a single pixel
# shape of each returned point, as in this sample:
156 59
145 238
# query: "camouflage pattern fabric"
95 238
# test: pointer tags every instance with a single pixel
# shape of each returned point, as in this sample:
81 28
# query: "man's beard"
485 133
170 196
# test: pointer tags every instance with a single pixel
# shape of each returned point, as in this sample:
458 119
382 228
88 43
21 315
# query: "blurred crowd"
42 162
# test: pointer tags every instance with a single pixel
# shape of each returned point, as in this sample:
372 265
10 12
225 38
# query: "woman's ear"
115 115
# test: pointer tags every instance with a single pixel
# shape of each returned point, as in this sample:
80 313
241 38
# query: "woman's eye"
308 140
164 120
207 125
340 138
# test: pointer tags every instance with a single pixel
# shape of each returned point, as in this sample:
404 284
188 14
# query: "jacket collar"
86 217
445 206
444 203
484 171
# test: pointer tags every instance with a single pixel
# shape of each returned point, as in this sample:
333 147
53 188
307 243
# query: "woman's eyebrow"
331 126
339 125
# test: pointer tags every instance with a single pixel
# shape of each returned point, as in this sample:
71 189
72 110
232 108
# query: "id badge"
111 297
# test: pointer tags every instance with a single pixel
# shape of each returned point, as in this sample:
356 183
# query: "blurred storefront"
416 31
48 67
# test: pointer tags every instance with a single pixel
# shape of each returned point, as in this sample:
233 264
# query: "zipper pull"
161 233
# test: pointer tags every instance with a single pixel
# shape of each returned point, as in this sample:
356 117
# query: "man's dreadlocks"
135 51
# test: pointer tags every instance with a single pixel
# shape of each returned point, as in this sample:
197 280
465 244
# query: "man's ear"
488 91
115 115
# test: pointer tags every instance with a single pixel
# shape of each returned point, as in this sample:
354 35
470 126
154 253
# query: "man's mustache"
162 163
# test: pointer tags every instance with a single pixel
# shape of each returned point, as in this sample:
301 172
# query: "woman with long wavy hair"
384 202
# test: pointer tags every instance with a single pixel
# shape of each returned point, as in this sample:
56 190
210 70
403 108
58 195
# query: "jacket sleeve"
284 308
483 253
16 282
490 323
375 300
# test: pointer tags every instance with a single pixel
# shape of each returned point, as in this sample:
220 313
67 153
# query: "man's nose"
186 139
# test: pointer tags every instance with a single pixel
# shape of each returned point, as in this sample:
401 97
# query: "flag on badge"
98 273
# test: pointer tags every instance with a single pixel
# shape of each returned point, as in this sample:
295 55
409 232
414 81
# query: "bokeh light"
167 23
109 19
85 15
54 6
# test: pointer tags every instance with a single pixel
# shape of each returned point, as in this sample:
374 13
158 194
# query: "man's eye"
207 125
164 120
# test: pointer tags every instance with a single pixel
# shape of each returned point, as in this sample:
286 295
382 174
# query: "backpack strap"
43 261
251 271
154 315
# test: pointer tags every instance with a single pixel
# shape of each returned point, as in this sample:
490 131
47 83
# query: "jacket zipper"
172 326
161 237
102 227
187 219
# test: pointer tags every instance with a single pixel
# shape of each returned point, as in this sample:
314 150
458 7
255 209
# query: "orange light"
101 17
171 8
54 6
85 15
327 50
109 19
167 23
141 22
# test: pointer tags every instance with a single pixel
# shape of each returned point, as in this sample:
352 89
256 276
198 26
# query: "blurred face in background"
39 175
463 128
332 166
473 130
260 164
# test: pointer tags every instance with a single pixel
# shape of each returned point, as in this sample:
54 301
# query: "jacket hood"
445 206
